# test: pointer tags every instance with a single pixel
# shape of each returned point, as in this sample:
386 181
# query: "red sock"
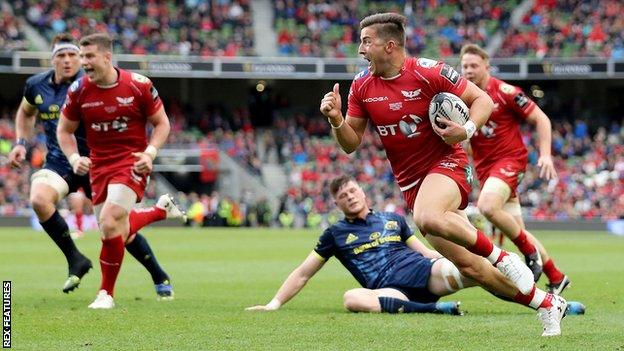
79 221
535 299
140 217
484 247
523 243
111 257
554 275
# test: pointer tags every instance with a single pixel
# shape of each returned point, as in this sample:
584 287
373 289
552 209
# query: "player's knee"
349 300
41 204
487 208
429 222
109 224
352 301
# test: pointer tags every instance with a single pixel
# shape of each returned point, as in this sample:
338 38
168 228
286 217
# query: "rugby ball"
449 106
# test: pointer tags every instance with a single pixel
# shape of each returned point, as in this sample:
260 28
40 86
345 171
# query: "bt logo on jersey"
120 124
408 126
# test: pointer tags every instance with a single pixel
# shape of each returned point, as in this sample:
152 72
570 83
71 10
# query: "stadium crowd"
323 28
192 27
436 28
11 32
563 28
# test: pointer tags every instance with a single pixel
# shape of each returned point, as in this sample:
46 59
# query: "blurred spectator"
565 28
191 27
323 28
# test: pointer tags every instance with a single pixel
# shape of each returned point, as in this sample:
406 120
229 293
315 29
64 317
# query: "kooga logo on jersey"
376 99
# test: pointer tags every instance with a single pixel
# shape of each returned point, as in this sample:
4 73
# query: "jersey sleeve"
29 92
444 78
355 107
151 100
406 231
71 107
326 246
517 100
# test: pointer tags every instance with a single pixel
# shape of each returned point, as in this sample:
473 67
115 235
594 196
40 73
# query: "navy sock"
140 249
392 305
57 229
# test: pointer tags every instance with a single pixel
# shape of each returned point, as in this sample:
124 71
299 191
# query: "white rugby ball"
449 106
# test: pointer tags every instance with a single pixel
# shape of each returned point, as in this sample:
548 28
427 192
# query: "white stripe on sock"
493 257
538 298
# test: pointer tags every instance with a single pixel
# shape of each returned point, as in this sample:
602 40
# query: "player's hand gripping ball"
448 106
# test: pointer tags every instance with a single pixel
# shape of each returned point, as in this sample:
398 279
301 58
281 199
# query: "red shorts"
454 166
101 177
510 170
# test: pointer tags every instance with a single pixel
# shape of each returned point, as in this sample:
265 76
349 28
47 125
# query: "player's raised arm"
160 122
348 131
67 142
24 124
544 132
294 283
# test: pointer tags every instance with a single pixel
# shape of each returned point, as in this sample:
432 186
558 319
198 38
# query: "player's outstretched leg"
390 300
439 196
140 249
165 207
114 227
78 264
46 189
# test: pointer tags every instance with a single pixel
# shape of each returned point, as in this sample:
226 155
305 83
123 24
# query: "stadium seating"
11 32
435 29
561 28
193 27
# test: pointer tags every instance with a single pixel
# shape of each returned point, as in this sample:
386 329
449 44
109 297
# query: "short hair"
474 49
102 40
62 38
388 25
338 182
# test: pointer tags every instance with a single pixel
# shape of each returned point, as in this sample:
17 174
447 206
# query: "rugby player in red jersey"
501 158
115 106
432 170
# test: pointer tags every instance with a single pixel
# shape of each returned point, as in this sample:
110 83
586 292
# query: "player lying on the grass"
398 273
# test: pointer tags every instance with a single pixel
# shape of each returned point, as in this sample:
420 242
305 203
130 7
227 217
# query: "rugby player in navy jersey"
44 96
397 272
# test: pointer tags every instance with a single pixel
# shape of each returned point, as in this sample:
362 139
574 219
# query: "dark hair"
338 182
474 49
388 26
102 40
62 38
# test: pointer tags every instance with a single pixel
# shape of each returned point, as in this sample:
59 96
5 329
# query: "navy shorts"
74 181
411 277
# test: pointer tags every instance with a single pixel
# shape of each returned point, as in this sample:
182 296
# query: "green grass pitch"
218 272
